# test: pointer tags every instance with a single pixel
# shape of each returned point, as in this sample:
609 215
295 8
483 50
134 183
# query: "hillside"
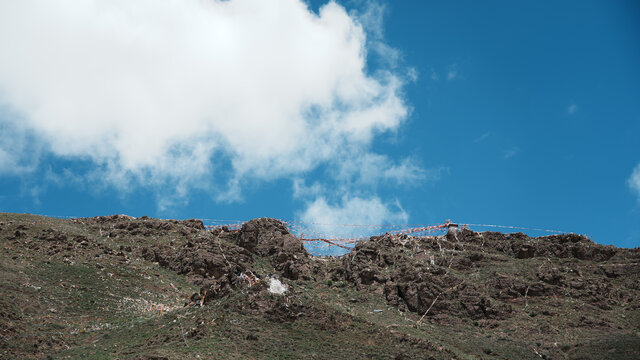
119 287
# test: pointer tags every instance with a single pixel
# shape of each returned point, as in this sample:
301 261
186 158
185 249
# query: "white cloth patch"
277 287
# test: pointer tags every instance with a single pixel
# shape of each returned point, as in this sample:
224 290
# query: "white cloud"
572 109
326 219
509 153
368 169
351 198
412 74
175 93
482 137
452 73
17 150
434 75
304 191
8 160
372 21
634 181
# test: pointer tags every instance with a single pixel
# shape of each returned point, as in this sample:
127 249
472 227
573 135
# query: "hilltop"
127 288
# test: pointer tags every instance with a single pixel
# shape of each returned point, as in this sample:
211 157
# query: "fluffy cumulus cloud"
327 219
183 94
634 181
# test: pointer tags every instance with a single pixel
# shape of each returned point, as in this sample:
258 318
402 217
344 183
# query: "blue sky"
493 112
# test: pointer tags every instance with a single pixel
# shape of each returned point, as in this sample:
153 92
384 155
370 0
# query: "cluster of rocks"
440 275
427 275
216 259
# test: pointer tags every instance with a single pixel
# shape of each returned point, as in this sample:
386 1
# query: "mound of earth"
215 260
143 288
442 275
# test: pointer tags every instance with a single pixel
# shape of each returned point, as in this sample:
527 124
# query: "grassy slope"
82 297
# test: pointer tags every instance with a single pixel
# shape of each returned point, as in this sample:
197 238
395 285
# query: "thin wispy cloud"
572 109
482 137
452 72
510 153
412 74
434 75
634 181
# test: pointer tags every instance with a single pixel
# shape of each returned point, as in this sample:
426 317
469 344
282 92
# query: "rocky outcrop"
270 238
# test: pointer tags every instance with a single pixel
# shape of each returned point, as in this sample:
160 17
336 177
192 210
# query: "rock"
265 236
550 275
194 224
524 251
271 238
